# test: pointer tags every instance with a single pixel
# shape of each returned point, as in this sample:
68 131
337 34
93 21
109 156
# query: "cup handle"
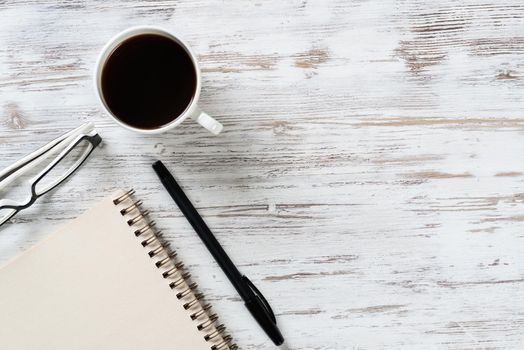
207 122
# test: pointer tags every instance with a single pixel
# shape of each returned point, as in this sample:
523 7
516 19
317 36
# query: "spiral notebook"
105 281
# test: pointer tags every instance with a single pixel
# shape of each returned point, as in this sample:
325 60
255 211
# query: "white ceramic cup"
192 111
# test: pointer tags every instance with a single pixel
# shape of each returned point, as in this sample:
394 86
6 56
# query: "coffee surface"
148 81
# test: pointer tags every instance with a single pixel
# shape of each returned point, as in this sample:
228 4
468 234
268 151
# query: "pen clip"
260 297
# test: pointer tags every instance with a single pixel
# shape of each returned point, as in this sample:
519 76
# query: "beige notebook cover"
93 285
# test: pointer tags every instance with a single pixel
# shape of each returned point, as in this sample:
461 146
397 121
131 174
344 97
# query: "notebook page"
91 285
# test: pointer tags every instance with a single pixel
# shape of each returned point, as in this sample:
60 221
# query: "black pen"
253 299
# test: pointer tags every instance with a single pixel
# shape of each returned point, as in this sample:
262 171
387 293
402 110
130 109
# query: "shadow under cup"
148 81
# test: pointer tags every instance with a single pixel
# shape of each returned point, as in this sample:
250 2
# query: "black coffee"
148 81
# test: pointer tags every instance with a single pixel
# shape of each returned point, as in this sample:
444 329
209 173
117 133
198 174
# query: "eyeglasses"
70 151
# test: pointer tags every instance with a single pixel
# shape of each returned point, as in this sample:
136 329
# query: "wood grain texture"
369 177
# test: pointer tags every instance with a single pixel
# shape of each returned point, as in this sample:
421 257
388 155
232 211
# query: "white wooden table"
369 178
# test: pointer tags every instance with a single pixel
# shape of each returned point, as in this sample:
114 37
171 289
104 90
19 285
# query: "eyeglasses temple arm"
21 166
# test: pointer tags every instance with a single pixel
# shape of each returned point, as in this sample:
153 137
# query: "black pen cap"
265 320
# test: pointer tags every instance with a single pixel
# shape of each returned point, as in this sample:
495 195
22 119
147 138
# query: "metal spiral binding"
174 271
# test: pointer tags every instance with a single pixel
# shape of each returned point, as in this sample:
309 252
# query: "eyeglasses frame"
93 138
